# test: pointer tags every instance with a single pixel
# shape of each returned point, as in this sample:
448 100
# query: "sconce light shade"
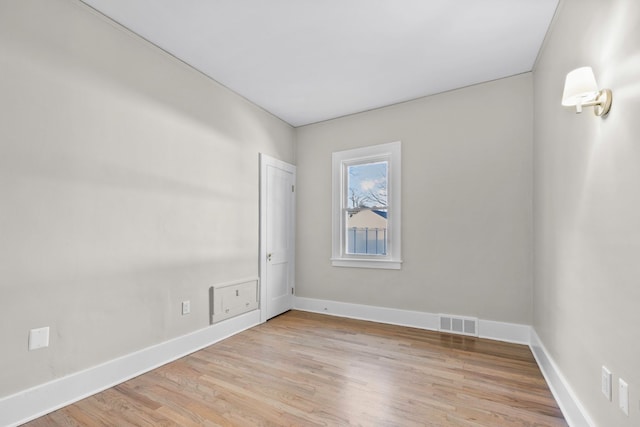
581 90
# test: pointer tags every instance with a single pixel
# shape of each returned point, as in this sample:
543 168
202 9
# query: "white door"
277 227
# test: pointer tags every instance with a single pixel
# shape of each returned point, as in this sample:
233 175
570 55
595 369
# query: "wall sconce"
581 90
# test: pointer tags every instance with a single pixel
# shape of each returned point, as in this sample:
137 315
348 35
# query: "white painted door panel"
277 236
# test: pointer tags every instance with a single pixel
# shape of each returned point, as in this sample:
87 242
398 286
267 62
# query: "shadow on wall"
173 85
77 170
133 303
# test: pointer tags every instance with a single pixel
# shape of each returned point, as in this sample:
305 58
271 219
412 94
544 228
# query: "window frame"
390 152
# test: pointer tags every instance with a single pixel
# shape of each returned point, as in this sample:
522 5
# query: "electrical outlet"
186 307
606 383
623 396
38 338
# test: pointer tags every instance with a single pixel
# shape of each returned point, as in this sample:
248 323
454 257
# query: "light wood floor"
303 369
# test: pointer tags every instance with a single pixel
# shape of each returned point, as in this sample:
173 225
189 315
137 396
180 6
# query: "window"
366 207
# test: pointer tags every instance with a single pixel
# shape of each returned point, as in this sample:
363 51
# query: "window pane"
367 185
366 214
366 232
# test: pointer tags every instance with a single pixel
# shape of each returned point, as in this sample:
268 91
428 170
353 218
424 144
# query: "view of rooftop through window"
367 208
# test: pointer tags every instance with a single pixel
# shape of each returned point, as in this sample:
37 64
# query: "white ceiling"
311 60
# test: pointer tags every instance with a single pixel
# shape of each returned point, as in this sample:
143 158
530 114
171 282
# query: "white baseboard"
414 319
40 400
500 331
571 408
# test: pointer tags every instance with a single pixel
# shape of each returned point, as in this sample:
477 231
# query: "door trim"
265 161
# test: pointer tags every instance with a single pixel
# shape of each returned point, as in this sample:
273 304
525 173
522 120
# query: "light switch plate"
186 307
38 338
623 396
606 383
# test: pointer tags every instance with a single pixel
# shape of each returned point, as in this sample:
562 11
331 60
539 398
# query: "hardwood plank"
305 369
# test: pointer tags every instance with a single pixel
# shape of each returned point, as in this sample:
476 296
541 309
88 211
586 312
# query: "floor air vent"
459 325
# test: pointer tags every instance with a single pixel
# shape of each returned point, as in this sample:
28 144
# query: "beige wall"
587 205
466 189
129 182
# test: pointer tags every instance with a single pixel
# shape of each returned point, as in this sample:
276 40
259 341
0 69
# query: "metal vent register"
459 325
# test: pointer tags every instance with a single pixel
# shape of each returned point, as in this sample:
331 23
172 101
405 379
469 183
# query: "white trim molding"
499 331
502 331
366 263
574 412
392 316
341 160
30 404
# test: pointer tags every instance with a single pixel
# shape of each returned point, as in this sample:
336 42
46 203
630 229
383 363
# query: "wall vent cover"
459 325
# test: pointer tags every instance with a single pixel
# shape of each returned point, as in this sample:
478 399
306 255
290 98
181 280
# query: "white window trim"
391 152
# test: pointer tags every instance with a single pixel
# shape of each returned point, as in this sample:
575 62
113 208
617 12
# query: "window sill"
366 263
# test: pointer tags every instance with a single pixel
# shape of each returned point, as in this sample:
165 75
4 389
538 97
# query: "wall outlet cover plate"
186 307
623 396
606 383
38 338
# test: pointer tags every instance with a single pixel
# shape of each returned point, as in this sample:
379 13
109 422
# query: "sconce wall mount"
581 90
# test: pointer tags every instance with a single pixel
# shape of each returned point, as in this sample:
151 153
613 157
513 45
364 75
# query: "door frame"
266 161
